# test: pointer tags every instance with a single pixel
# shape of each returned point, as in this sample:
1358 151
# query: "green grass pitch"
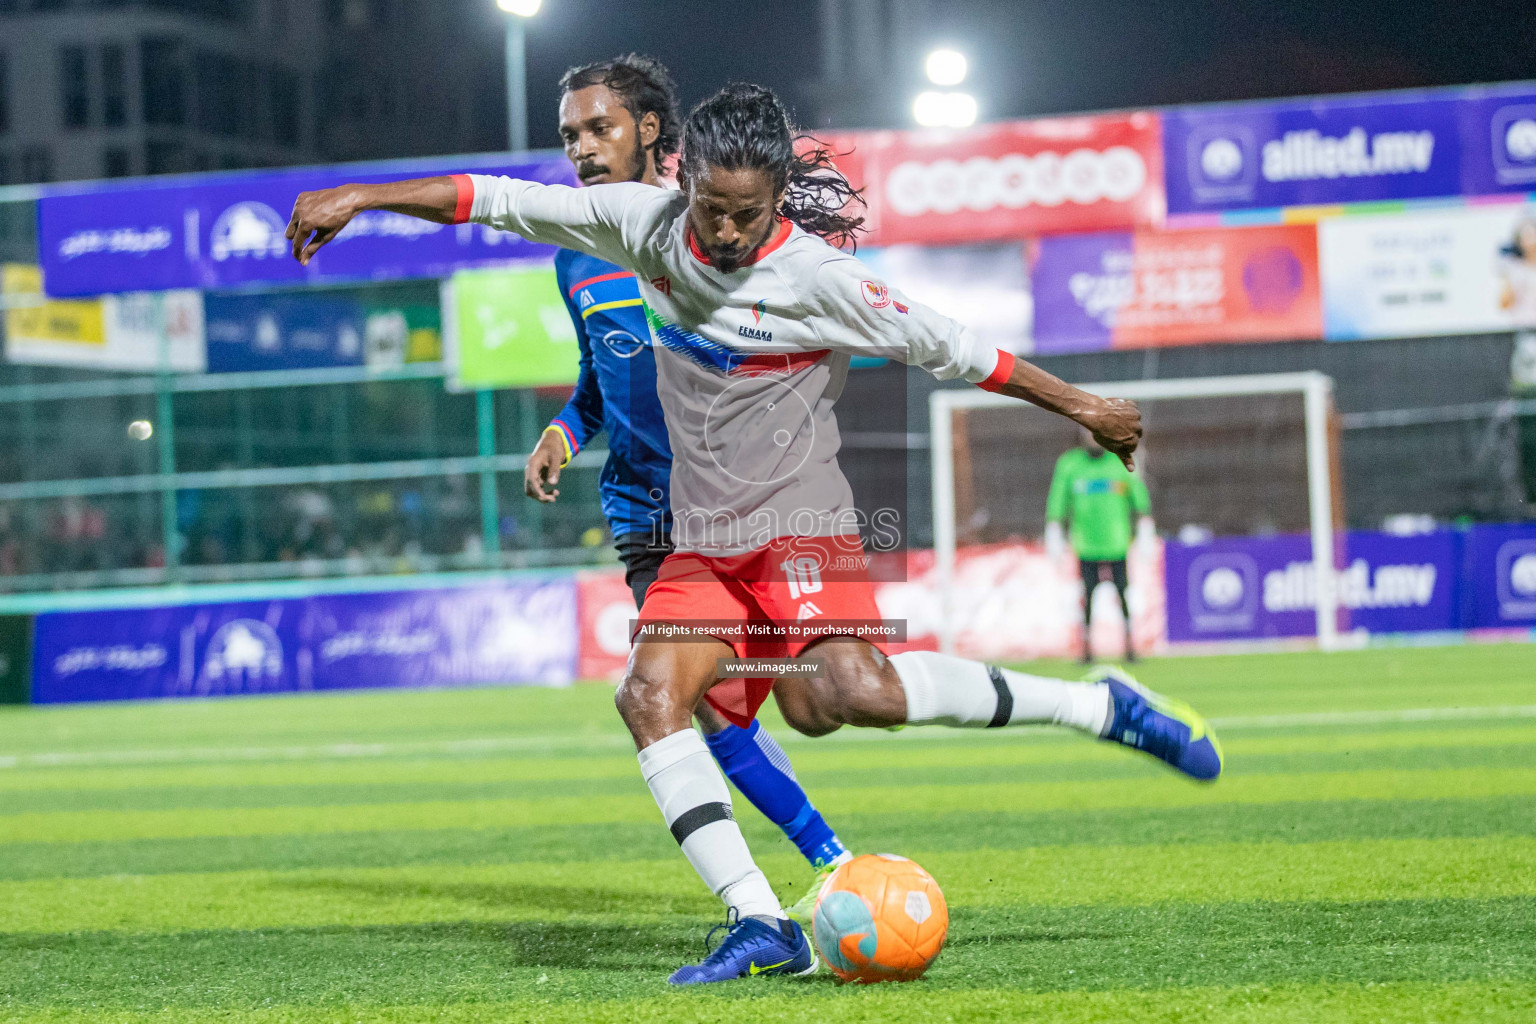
493 855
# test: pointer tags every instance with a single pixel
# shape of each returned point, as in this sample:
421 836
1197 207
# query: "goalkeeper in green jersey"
1103 505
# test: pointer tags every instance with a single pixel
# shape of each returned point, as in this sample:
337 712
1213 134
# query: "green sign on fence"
507 328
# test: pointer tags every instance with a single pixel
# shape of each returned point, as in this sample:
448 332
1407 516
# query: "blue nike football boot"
751 947
1165 728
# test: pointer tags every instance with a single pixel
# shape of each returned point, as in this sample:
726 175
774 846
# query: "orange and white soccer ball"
880 917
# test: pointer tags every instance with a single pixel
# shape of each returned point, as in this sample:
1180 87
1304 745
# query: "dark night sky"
1051 56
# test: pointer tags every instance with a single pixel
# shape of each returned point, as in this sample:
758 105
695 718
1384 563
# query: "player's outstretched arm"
860 315
319 216
1114 422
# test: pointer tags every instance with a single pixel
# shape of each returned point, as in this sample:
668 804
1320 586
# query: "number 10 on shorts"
803 573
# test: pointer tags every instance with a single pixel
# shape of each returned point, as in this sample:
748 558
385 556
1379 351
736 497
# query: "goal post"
1241 395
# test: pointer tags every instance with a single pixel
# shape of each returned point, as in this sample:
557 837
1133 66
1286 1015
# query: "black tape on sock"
1004 710
695 818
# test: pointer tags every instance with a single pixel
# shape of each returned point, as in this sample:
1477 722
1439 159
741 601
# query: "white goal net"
1222 457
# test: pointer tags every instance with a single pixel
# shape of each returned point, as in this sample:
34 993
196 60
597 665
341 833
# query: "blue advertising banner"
227 231
1312 152
517 632
1239 588
283 332
1500 573
1499 140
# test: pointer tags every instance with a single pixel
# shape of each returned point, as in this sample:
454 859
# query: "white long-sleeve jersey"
749 363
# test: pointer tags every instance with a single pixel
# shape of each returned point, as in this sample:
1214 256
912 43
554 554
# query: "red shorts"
789 580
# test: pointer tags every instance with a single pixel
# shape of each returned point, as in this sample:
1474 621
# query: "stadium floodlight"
946 67
517 71
933 109
1255 450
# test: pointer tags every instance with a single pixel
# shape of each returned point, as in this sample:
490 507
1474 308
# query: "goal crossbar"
1315 389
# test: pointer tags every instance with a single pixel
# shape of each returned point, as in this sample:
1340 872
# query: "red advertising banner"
1008 180
1149 288
1013 602
605 606
1237 284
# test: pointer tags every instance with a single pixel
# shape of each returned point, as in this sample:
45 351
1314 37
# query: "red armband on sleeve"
466 198
1000 373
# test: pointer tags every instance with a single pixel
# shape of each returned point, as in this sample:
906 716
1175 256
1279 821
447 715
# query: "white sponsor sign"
114 332
1466 270
985 287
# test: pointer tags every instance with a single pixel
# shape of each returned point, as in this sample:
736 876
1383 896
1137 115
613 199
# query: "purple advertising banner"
1240 588
227 232
1313 152
516 632
1079 283
1500 574
1499 140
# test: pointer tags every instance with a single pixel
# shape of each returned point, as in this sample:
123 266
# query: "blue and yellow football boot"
751 947
1165 728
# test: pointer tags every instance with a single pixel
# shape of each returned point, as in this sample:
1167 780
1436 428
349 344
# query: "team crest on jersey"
876 294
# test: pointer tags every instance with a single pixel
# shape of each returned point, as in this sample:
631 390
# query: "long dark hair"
644 85
746 127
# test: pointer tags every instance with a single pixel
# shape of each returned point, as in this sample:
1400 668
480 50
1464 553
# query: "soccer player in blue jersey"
619 122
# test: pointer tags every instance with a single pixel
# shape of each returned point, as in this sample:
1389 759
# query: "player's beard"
730 260
636 172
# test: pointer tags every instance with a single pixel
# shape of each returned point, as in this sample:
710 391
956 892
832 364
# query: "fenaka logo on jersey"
759 310
875 293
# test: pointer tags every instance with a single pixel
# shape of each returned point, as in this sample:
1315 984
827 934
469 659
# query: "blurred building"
112 88
870 61
404 78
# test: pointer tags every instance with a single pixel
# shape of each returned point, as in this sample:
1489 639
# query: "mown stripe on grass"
816 1002
963 767
1159 789
979 748
645 890
1361 680
611 740
1022 948
1292 823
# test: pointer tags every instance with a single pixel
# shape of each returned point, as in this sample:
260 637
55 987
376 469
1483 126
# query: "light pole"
949 108
517 12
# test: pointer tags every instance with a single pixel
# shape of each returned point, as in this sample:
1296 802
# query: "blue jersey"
616 391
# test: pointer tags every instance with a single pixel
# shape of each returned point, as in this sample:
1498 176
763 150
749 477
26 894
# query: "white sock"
942 690
696 804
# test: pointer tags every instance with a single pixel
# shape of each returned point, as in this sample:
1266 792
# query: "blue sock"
758 766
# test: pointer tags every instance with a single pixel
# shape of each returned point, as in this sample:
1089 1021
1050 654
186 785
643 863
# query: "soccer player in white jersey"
754 317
